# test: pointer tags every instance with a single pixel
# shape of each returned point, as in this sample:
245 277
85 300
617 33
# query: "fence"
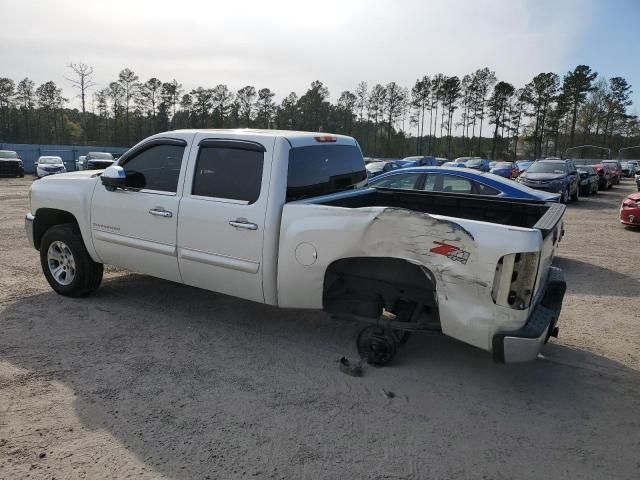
69 153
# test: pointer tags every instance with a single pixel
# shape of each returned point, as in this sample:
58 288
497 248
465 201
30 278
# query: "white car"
80 162
281 218
49 165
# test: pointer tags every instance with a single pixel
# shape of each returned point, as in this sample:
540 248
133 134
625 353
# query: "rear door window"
447 184
324 169
228 173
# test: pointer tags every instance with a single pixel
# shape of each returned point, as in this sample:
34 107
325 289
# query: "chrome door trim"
134 242
246 266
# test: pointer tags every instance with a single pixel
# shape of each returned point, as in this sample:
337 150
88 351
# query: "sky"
285 44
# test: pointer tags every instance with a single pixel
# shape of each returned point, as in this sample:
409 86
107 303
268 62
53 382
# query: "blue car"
419 161
523 165
478 164
458 180
455 164
504 169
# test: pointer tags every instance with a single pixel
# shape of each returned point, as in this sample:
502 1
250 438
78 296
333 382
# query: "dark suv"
556 176
11 164
98 160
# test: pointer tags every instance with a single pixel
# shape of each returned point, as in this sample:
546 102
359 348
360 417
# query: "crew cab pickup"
285 218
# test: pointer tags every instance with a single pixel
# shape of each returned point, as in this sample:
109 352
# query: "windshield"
49 160
548 167
8 154
474 163
583 169
324 169
99 156
502 165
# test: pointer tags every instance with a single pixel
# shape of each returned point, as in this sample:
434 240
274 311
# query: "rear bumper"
524 344
28 226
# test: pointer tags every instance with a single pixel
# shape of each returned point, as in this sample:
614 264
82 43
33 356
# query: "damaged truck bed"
474 268
284 218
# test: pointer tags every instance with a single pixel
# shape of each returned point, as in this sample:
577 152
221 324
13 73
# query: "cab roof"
294 137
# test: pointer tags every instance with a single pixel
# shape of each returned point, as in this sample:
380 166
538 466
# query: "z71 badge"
451 252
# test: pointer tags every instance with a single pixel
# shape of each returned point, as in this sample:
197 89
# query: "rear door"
222 215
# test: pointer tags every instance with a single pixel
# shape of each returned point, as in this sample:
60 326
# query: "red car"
630 210
605 179
616 170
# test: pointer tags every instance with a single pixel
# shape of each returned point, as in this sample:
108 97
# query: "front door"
222 216
135 228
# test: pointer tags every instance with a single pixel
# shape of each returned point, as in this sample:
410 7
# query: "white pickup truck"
282 218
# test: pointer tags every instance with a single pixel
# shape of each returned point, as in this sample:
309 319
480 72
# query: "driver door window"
157 168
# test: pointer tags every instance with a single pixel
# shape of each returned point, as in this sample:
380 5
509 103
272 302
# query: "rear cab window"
324 169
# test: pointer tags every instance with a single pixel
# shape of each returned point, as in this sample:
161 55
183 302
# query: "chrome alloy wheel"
61 263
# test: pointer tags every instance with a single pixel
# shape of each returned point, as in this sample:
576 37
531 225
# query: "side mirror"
113 177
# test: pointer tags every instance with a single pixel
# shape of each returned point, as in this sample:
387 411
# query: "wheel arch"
45 218
389 279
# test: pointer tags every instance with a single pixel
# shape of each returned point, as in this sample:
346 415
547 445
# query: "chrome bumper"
28 226
524 344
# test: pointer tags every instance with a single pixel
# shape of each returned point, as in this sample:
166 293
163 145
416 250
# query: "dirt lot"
150 379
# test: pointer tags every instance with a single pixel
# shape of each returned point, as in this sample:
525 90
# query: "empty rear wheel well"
45 218
368 284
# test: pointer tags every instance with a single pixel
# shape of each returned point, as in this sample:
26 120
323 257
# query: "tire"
576 196
66 264
564 196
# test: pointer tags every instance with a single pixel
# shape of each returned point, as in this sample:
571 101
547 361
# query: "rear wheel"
66 263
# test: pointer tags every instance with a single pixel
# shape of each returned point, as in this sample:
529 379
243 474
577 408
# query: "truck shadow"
197 384
610 282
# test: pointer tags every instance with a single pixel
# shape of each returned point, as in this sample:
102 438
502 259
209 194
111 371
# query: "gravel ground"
152 379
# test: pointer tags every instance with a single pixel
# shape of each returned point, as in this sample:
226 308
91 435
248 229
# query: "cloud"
286 44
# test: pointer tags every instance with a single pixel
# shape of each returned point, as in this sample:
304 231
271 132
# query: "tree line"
441 115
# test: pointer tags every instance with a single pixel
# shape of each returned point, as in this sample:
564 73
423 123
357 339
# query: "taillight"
325 138
514 280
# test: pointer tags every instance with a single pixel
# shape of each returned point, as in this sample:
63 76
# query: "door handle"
243 223
159 212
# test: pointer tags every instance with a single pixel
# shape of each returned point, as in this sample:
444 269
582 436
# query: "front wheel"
576 195
66 263
563 196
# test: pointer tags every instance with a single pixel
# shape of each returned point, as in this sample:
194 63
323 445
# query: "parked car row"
458 181
630 168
